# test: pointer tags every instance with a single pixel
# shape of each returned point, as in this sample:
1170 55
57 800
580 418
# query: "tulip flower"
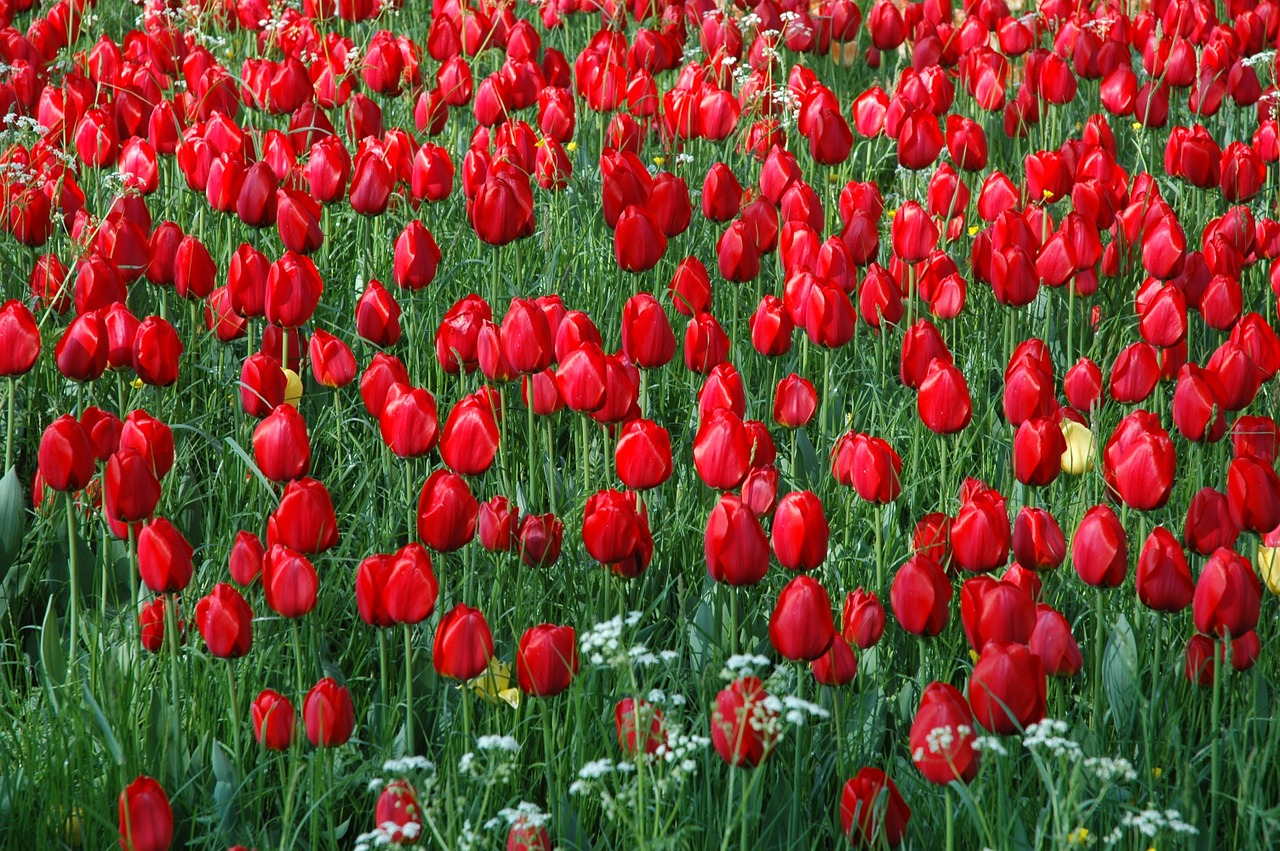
992 610
547 660
399 813
463 644
273 720
1007 688
801 627
736 549
872 811
146 819
225 621
328 714
631 716
540 538
164 557
289 582
921 596
942 736
1053 643
281 446
743 727
1227 596
304 520
642 456
800 531
19 339
447 512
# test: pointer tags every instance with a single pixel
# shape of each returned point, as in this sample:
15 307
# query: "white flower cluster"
990 744
641 655
744 665
602 643
1108 770
387 834
408 765
525 813
660 697
1149 823
1257 59
498 743
798 711
1048 736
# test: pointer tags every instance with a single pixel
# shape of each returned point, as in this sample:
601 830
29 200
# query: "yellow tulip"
1078 458
292 388
1269 566
494 685
72 833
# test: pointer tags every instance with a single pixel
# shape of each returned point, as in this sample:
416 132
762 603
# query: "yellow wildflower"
572 146
494 685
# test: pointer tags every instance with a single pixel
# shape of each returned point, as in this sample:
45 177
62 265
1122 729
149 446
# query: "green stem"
408 689
951 821
297 657
171 634
1222 651
1098 709
73 642
8 429
235 709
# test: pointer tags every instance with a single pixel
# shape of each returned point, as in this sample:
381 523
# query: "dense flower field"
660 424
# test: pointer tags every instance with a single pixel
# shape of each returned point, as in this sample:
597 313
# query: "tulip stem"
1098 711
951 821
73 641
133 578
382 669
171 633
408 689
297 656
533 467
235 709
8 428
1222 651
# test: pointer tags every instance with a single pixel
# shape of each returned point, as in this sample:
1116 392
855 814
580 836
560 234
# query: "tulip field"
639 424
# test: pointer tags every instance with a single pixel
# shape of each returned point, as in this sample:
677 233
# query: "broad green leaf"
1120 674
52 657
13 518
109 740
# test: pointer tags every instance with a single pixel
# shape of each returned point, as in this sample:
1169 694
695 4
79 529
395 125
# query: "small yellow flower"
541 143
1137 125
1079 126
1268 562
973 230
1047 193
72 833
1079 836
292 388
136 384
892 212
572 146
494 685
659 160
1078 457
973 656
1157 772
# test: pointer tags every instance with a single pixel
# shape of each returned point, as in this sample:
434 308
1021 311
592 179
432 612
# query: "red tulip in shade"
631 716
1054 644
1163 578
801 626
463 644
1100 549
540 539
942 736
943 400
1253 495
19 339
1007 688
800 531
921 596
82 350
863 619
273 720
743 727
447 512
164 557
496 524
1228 596
1037 451
869 465
304 520
289 582
328 714
146 819
1139 462
1209 524
281 446
151 437
991 610
547 660
151 625
643 455
225 621
872 811
245 562
735 545
1038 543
66 456
838 666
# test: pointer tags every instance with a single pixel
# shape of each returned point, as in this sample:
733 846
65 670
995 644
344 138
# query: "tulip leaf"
52 657
109 740
808 471
13 518
1120 674
253 466
224 769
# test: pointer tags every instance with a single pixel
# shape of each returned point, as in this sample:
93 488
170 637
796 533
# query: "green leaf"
808 471
109 740
52 657
1120 674
253 465
224 769
13 518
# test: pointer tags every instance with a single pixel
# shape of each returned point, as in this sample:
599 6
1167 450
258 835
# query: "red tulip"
1253 495
540 539
164 557
304 519
872 810
1209 524
156 350
416 257
333 364
1163 579
942 736
979 535
378 315
151 437
1099 548
838 666
1007 688
262 384
273 720
631 716
225 621
1139 462
869 465
397 808
801 627
146 819
328 714
1227 596
289 582
943 401
547 660
245 561
647 337
800 531
1038 543
130 487
743 727
446 512
19 339
921 595
643 455
82 350
463 645
1038 446
863 619
795 402
735 546
1053 643
66 456
281 446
